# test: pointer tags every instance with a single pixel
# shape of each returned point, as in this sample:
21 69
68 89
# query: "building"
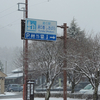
15 77
2 81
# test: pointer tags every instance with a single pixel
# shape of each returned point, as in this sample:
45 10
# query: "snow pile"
8 94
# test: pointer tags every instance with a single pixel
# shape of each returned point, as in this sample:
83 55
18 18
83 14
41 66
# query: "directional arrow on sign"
53 37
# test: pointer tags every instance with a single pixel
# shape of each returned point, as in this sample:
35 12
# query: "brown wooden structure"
2 82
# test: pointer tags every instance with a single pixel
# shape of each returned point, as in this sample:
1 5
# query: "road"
12 95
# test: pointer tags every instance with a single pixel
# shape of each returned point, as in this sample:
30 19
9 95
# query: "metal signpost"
40 29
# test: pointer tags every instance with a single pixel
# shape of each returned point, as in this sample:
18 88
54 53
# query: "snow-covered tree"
46 57
74 31
74 78
75 37
89 63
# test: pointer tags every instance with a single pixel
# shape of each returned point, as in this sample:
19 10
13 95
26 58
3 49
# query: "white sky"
86 13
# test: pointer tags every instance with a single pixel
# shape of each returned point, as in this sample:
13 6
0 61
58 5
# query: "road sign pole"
64 26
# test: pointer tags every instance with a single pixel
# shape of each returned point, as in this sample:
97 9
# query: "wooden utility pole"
26 57
65 63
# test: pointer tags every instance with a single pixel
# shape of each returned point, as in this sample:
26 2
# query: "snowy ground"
42 99
9 94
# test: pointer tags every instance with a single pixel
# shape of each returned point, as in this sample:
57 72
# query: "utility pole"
6 67
26 57
65 64
25 47
64 26
24 16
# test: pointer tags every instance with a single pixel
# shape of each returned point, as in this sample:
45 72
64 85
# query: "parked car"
92 90
80 86
86 88
14 87
89 89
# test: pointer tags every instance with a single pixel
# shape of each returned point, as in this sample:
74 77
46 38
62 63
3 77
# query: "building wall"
2 87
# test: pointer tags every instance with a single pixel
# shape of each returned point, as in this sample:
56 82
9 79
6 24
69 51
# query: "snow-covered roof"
14 75
17 70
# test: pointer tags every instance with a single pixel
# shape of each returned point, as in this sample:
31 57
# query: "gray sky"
86 13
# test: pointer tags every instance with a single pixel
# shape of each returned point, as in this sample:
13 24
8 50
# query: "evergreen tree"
74 31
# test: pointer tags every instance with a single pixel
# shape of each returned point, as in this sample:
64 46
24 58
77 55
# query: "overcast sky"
86 13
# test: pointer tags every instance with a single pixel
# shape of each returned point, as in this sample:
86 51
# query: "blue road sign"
40 29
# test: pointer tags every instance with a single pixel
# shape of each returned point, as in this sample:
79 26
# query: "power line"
7 9
38 3
9 24
15 5
15 11
8 14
